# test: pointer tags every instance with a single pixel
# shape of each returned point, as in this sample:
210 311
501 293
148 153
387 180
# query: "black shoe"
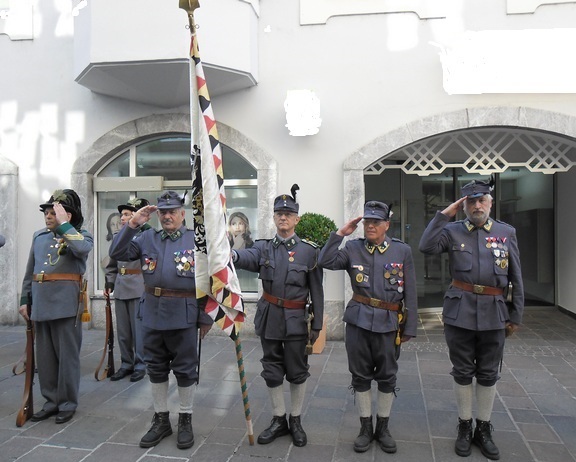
160 429
120 374
298 434
463 446
483 439
383 436
64 416
366 435
185 433
43 414
137 375
278 427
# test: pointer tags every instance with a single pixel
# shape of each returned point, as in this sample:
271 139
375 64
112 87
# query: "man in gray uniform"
168 309
485 266
382 275
124 278
291 277
53 279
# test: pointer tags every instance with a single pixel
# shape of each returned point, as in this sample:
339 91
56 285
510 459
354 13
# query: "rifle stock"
27 408
108 345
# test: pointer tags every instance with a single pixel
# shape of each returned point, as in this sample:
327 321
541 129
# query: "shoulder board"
503 223
313 244
263 240
398 240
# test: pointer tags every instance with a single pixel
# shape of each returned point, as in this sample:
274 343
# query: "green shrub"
315 227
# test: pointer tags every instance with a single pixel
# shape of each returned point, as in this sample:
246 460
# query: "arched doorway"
425 175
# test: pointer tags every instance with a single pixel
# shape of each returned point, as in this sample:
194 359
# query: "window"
148 168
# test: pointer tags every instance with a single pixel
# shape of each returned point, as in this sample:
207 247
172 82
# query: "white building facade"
409 100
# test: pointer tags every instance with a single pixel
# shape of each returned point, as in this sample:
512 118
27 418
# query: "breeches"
474 354
175 350
284 358
371 356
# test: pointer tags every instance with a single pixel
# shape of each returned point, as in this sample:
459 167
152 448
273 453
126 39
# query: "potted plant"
315 227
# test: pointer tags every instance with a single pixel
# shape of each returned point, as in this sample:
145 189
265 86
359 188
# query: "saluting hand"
453 208
141 216
349 227
61 214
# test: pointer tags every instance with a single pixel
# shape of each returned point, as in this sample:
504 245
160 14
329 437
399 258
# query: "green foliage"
315 227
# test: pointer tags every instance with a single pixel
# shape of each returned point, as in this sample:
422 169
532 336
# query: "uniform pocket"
296 274
452 304
150 261
267 267
461 258
295 322
360 276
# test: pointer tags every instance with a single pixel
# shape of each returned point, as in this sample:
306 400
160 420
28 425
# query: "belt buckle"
40 278
122 271
478 289
280 302
374 302
157 291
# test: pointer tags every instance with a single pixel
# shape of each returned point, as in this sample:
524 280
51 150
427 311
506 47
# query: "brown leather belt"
477 289
124 271
44 277
376 303
160 292
282 302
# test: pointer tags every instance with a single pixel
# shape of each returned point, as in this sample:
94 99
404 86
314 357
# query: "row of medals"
499 249
392 271
184 260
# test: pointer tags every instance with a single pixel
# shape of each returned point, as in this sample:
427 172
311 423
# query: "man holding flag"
291 281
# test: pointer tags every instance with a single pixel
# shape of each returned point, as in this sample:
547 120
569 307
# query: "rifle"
27 408
108 342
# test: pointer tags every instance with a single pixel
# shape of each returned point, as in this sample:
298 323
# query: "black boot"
483 439
382 435
463 446
185 433
366 435
298 434
278 427
160 429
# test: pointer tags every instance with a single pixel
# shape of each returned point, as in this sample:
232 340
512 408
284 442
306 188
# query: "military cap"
133 204
286 202
477 188
170 200
375 210
71 203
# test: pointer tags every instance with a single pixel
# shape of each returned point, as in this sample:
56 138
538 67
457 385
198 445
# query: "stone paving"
534 414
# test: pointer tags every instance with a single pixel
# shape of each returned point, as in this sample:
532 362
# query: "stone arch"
8 228
469 118
123 136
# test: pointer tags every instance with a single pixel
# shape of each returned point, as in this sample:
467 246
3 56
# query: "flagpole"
189 6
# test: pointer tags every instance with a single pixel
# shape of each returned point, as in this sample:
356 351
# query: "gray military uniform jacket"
386 274
290 271
56 299
167 264
487 256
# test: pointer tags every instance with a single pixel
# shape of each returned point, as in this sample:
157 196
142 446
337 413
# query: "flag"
216 279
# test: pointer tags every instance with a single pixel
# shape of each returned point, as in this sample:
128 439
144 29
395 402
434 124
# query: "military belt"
376 303
160 292
477 288
282 302
124 271
45 277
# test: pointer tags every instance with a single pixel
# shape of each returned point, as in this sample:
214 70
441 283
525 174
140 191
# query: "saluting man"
170 314
382 275
288 268
484 261
53 277
124 278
